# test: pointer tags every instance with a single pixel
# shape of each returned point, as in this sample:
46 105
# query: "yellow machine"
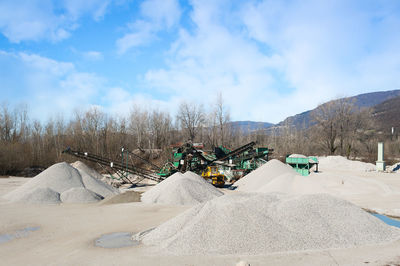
212 173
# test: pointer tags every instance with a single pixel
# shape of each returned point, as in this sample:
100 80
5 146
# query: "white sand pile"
260 223
181 189
266 173
79 195
92 180
59 178
342 163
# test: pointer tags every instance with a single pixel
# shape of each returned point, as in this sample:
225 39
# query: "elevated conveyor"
119 167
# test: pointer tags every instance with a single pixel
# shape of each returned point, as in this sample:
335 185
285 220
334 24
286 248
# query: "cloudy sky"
269 59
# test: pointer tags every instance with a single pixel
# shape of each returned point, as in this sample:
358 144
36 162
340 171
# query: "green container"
302 165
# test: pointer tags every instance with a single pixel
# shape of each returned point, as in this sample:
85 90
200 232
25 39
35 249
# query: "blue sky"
269 59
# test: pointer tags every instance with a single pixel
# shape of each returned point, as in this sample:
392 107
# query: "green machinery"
186 158
252 159
236 163
301 163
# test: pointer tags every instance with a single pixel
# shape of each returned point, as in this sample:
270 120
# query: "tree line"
337 128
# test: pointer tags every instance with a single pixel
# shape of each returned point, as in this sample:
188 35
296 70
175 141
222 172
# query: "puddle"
18 234
387 220
116 240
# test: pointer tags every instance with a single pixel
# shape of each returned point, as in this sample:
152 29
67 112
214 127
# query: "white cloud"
142 33
120 102
324 44
214 59
156 15
93 55
45 65
161 12
46 85
51 87
77 8
27 20
272 59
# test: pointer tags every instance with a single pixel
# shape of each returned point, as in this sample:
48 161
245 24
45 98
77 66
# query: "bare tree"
211 134
191 117
139 126
223 118
7 123
326 118
339 124
160 126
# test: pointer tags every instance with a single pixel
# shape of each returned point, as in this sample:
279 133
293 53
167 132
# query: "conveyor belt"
143 173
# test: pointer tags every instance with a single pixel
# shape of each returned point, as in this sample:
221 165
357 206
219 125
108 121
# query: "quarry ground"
67 233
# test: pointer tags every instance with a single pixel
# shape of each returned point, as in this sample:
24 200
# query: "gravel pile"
258 178
79 195
293 184
55 181
342 163
260 223
42 195
181 189
92 180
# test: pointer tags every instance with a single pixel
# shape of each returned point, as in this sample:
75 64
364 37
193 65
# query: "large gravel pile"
49 186
181 189
263 175
342 163
260 223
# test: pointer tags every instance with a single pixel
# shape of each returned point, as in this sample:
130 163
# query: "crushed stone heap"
275 176
181 189
261 223
342 163
263 175
50 185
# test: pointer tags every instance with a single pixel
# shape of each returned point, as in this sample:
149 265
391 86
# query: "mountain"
304 120
387 115
248 126
385 108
